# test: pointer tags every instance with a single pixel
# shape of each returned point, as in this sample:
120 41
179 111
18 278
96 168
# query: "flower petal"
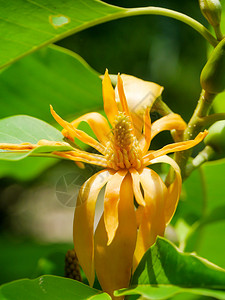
174 189
146 139
83 228
110 105
111 201
169 122
17 147
152 216
175 147
122 97
113 262
136 186
139 94
82 156
98 124
73 132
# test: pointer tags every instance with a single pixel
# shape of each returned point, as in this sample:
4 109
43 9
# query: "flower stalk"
194 126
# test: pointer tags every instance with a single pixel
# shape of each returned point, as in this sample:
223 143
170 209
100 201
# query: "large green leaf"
48 288
163 264
50 76
22 129
29 25
26 169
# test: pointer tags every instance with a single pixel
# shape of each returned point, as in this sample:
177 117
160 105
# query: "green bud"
211 10
213 74
216 138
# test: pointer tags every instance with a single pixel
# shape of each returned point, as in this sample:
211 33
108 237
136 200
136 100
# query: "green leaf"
29 25
159 292
22 129
26 169
163 264
49 287
50 76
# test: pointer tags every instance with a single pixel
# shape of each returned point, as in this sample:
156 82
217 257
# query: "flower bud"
211 10
213 74
216 138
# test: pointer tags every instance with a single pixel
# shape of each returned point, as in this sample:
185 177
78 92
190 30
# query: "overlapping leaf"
165 271
29 25
50 76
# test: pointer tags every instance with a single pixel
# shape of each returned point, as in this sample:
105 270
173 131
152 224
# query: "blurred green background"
34 224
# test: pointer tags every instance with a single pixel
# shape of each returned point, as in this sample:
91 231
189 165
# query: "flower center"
123 150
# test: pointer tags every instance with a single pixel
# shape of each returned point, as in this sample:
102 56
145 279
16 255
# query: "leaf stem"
161 107
205 155
211 119
175 15
124 13
218 32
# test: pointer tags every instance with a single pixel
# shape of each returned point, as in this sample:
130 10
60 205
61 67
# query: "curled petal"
113 262
83 228
136 186
139 94
146 139
98 124
73 132
152 216
175 147
110 105
174 189
111 201
122 97
169 122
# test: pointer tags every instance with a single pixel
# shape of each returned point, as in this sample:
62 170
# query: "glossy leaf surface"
29 25
50 287
165 271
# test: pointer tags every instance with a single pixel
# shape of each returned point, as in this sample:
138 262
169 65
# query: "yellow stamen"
123 151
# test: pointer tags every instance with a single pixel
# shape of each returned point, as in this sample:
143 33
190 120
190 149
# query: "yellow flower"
124 233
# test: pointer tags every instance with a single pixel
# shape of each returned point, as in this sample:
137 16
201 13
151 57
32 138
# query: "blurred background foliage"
153 48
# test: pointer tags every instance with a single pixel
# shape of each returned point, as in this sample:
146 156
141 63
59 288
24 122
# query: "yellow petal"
122 97
175 147
174 189
136 186
139 94
111 201
146 139
152 216
17 147
73 132
82 156
113 262
169 122
98 124
110 105
83 228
